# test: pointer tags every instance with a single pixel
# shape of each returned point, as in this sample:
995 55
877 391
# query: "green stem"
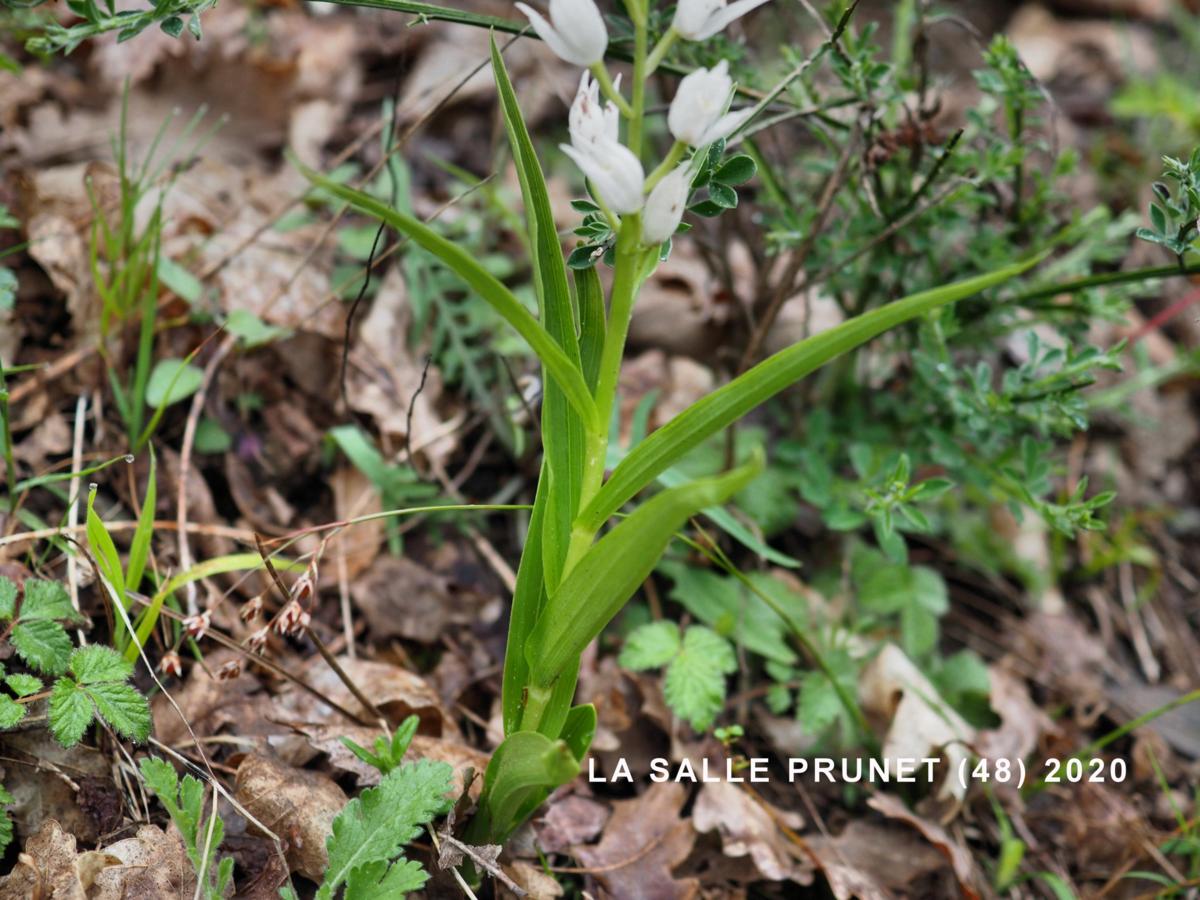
610 90
626 281
536 701
639 84
660 50
1108 278
672 159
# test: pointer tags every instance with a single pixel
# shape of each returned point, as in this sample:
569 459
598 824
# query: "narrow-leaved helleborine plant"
575 574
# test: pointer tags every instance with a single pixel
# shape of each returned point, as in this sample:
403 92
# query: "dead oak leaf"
296 804
645 839
748 828
958 855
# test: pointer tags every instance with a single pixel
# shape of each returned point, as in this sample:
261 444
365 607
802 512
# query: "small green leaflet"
695 684
43 644
696 667
172 380
8 598
11 712
23 685
98 688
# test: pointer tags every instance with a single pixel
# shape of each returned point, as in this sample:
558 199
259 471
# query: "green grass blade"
139 548
614 567
108 561
562 429
528 598
727 404
556 361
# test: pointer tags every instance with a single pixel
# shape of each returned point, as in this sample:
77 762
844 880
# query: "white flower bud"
589 121
575 32
697 115
665 205
614 171
697 20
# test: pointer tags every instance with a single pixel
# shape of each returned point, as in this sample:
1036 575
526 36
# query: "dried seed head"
258 640
230 670
306 584
292 619
251 609
197 626
171 664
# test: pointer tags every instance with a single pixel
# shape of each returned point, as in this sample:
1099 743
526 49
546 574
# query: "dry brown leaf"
40 779
536 884
352 550
869 861
385 379
153 864
679 310
1022 723
296 804
45 868
569 820
645 839
402 598
396 692
921 724
958 855
747 828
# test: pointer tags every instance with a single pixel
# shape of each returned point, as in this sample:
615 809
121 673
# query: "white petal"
726 125
582 26
723 17
546 32
691 16
665 205
614 172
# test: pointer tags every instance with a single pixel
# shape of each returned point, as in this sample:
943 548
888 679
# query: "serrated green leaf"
47 600
379 881
122 707
70 712
8 598
43 644
713 598
377 824
651 646
99 663
23 685
818 704
11 712
695 684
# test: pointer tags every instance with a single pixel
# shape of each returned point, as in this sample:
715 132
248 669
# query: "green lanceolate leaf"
579 728
525 768
556 361
592 324
139 549
528 599
727 404
615 566
562 429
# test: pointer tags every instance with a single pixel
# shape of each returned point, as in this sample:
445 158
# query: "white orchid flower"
665 205
697 20
697 115
589 121
614 171
575 31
